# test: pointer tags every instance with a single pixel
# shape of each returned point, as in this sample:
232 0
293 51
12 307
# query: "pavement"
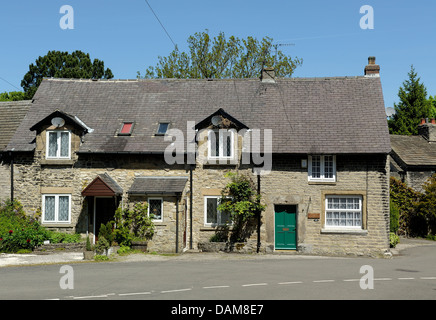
77 257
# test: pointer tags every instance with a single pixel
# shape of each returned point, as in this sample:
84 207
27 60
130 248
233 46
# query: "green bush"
393 239
394 217
101 245
21 232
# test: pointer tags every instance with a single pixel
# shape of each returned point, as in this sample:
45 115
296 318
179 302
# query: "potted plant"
88 254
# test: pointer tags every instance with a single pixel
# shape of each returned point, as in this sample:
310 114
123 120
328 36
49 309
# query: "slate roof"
11 115
413 151
158 185
306 115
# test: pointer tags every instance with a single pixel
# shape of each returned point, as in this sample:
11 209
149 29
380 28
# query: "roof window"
126 129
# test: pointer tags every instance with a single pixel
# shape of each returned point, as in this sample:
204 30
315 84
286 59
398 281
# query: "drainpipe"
190 207
258 215
12 176
177 223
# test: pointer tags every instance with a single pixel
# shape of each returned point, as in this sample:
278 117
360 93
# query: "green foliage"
19 231
413 106
393 240
100 257
12 96
101 245
59 64
432 101
133 224
406 200
123 250
394 217
427 204
88 244
221 58
241 202
106 231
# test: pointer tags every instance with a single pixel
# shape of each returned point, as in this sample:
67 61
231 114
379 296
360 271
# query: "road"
409 276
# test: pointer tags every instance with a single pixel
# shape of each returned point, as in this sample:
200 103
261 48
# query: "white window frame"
322 177
56 220
218 218
161 208
220 155
343 210
58 153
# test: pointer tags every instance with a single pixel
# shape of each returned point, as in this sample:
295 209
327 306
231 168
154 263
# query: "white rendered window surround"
56 208
221 144
212 216
343 212
58 144
322 168
155 207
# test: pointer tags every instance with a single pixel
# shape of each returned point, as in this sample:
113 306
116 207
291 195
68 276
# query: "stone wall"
287 183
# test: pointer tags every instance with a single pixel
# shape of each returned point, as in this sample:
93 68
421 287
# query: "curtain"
64 208
52 144
49 208
65 144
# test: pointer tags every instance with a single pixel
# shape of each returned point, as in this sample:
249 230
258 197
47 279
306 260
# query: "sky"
127 36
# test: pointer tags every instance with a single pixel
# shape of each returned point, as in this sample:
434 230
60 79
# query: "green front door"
285 227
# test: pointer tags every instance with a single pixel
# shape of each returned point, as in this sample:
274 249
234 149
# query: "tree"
221 58
413 106
432 106
241 203
427 204
59 64
12 96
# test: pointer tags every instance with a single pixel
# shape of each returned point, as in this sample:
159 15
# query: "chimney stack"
427 129
372 69
268 75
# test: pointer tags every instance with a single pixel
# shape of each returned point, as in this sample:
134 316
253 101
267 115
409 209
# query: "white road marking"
177 290
254 284
320 281
428 278
382 279
216 287
133 293
349 280
292 282
406 278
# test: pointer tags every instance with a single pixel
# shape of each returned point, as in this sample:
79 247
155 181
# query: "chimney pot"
268 75
422 121
433 121
372 69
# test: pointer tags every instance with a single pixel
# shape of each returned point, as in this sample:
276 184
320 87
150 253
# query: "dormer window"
162 128
221 144
58 145
126 129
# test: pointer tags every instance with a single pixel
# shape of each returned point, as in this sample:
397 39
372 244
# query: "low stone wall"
60 247
239 247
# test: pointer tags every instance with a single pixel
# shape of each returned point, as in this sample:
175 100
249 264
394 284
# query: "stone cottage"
413 158
11 115
317 149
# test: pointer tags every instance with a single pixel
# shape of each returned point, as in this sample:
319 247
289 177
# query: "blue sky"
128 38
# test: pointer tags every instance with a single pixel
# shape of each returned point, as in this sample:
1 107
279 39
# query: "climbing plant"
241 202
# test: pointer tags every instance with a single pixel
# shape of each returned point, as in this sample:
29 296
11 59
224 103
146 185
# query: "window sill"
57 162
344 231
215 228
57 224
220 161
321 182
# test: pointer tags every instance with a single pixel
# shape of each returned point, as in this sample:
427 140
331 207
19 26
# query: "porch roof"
102 185
158 185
